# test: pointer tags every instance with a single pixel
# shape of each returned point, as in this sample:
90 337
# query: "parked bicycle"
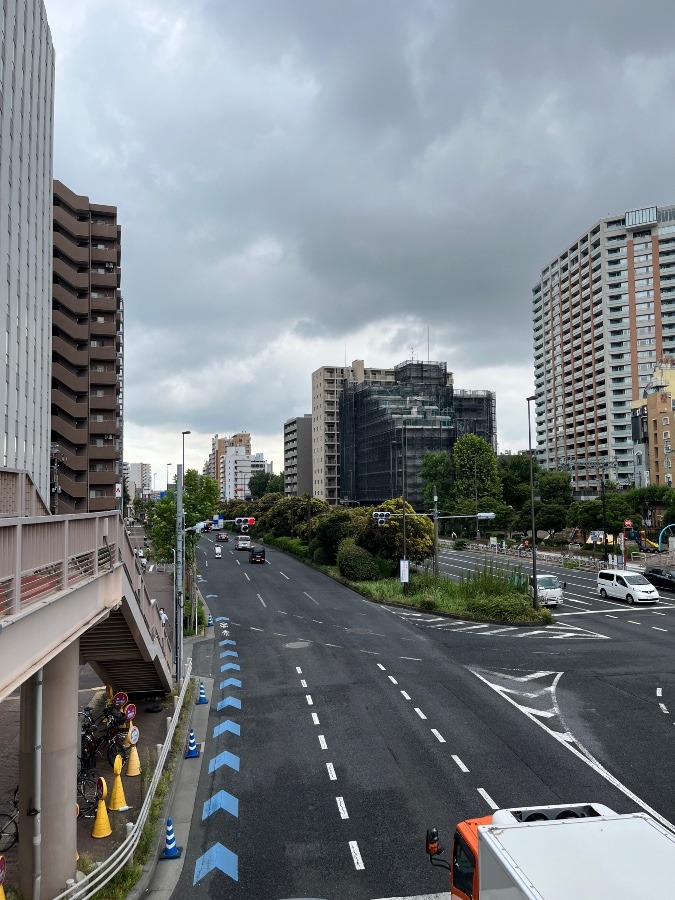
9 825
110 737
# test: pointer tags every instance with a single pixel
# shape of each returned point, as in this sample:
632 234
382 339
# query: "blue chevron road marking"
227 666
228 653
228 641
234 682
222 619
217 857
221 800
224 759
229 701
228 725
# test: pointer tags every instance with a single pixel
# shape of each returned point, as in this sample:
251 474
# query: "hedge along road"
358 731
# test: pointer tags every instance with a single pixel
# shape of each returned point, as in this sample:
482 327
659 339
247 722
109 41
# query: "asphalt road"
347 728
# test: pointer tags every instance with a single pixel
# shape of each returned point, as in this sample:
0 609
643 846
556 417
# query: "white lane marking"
322 742
656 628
298 670
303 683
333 645
315 718
342 808
658 613
246 574
413 658
488 799
356 855
317 622
261 600
371 652
285 576
581 752
380 666
631 622
309 699
296 616
420 713
309 595
664 708
331 771
282 612
607 616
253 628
392 679
659 692
438 735
279 634
460 763
407 696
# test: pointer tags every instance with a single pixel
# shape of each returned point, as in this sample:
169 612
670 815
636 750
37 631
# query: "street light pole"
535 593
475 483
167 476
182 479
435 533
404 443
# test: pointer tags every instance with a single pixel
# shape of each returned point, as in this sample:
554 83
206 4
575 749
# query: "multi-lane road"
339 730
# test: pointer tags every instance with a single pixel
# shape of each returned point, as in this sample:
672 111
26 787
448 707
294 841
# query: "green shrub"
321 556
355 563
460 544
292 545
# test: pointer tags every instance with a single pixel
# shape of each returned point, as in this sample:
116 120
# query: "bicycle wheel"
9 832
117 749
86 795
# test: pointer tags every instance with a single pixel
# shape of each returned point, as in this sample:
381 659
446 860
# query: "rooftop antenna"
428 351
412 354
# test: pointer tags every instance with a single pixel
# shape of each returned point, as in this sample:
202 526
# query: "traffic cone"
134 761
101 827
118 802
171 851
202 694
210 622
192 748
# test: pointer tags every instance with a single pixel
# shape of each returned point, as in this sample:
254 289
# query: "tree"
200 497
387 541
555 487
257 484
476 470
551 517
331 529
514 472
586 515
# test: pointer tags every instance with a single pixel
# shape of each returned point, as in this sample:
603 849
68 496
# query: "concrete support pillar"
56 817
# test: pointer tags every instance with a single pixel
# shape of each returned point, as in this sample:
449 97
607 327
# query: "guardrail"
106 870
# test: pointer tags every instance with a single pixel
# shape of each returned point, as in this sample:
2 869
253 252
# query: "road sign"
628 523
405 571
596 536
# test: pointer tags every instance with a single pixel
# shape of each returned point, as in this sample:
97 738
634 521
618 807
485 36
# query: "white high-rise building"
140 475
604 316
237 466
26 134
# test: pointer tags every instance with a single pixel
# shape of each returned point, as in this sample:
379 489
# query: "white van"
219 552
549 589
626 585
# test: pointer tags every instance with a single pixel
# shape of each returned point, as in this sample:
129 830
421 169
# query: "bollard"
159 749
118 802
168 723
101 827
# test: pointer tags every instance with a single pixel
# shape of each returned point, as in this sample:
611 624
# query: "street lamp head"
186 432
533 397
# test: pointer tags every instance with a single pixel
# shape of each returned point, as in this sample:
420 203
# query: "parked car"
661 577
222 536
256 555
622 584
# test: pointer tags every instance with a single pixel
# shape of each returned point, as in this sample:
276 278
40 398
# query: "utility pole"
436 572
603 498
405 540
179 576
475 482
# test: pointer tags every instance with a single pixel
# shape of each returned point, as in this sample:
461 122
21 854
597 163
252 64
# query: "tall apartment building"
603 316
26 134
327 386
237 467
219 447
139 479
298 456
87 354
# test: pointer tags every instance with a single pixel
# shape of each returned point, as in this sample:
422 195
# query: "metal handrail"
106 870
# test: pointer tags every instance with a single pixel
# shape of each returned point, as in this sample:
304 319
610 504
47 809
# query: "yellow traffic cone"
101 827
134 763
117 801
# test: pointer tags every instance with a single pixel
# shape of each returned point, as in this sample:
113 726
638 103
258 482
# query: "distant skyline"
299 183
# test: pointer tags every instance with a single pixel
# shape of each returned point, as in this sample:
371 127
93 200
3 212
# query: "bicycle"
87 796
111 739
9 825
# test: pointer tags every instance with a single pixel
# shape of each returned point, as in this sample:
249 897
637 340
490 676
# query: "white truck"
549 589
574 852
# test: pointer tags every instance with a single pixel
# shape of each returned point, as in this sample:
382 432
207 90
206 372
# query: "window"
666 435
463 867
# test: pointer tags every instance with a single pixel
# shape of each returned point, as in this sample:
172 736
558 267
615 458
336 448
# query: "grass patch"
494 594
120 886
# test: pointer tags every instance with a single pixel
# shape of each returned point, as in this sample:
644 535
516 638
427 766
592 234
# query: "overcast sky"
301 182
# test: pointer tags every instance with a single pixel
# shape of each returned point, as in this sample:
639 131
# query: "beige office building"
219 447
327 386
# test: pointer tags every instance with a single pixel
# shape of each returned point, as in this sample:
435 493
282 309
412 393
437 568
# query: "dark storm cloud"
297 176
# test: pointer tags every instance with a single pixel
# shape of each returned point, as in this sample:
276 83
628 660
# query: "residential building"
603 317
653 428
386 430
140 476
219 447
298 456
87 355
26 135
237 467
327 386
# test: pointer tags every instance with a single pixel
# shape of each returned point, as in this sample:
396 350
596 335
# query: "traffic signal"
244 522
381 517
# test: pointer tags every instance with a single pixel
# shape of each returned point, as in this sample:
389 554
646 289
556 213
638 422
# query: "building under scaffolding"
387 429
